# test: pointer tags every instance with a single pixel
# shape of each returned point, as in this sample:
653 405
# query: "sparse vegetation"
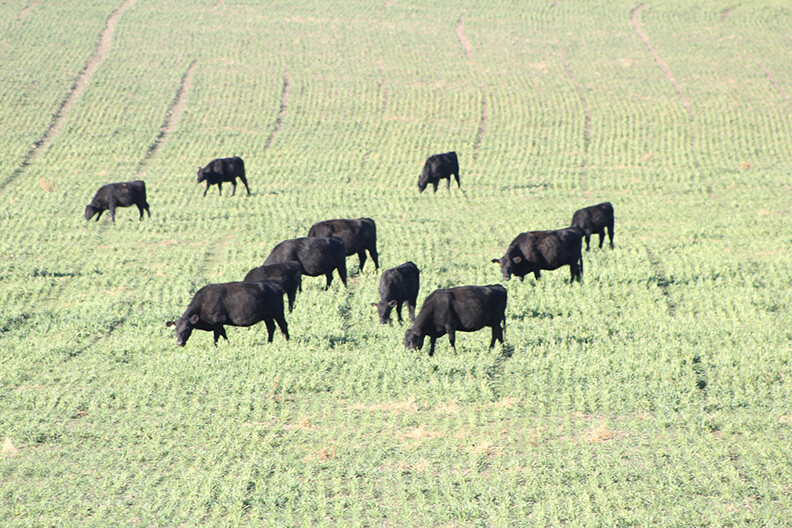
655 393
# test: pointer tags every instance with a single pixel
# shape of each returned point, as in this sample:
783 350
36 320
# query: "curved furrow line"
768 74
281 113
570 73
172 115
468 48
25 12
635 19
83 78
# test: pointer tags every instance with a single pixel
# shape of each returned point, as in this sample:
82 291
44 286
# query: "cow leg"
588 237
140 208
207 189
112 211
374 257
270 329
146 207
233 187
610 234
435 186
329 276
291 294
244 181
362 258
342 272
283 326
457 180
574 270
398 311
537 274
432 341
451 336
601 237
220 188
411 309
448 184
219 332
99 214
497 334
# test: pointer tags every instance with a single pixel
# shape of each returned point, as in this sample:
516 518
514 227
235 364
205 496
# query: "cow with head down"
221 170
439 167
398 286
595 219
543 250
463 309
233 304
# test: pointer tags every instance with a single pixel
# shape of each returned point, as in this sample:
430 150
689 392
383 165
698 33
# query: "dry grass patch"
9 449
602 433
408 406
420 433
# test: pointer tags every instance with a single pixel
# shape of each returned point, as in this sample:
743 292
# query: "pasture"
657 392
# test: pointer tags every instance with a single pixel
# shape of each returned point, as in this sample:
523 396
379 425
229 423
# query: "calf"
115 195
223 170
397 286
316 256
287 274
594 219
358 236
464 309
543 250
233 304
438 167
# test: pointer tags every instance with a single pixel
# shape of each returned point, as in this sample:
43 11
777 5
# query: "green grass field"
658 392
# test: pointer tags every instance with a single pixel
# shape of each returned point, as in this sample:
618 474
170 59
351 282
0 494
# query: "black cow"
594 219
287 274
115 195
438 167
543 250
358 235
464 309
398 285
316 255
233 304
223 170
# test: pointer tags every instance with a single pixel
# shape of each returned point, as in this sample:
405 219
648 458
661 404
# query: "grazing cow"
398 285
316 255
233 304
464 309
543 250
223 170
287 274
438 167
594 219
115 195
357 235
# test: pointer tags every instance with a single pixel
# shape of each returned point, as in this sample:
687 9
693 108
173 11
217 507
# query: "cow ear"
517 260
392 303
171 324
496 261
374 305
194 318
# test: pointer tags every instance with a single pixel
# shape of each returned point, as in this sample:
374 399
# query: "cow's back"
478 306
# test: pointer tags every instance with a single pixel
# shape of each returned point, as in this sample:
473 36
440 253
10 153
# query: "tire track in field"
469 52
78 87
770 78
284 104
661 279
635 19
25 12
570 73
172 116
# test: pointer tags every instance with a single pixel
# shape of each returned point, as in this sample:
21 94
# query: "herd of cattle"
259 297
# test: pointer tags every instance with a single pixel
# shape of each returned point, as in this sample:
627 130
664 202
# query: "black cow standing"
397 286
438 167
594 219
287 274
113 195
316 255
463 309
358 235
543 250
223 170
233 304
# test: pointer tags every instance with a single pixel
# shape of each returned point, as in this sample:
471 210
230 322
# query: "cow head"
90 210
183 327
413 340
384 310
507 264
201 175
423 181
